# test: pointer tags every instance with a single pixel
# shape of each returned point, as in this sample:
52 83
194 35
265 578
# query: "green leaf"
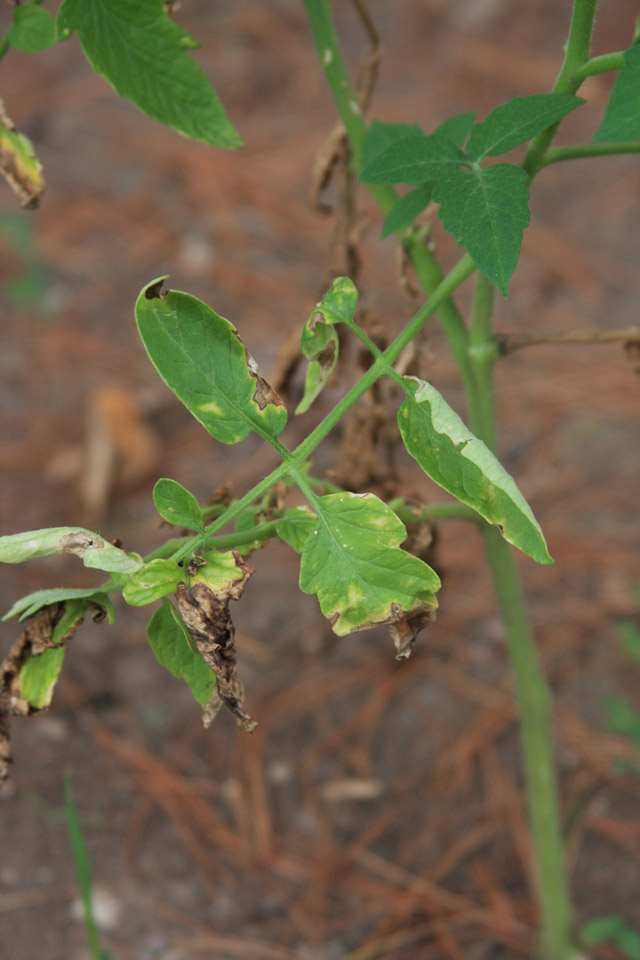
380 135
142 53
487 212
629 636
95 552
155 580
623 719
406 210
628 940
319 340
415 160
19 164
33 28
601 928
220 571
462 465
457 128
518 121
169 641
352 561
27 606
621 121
176 505
201 358
295 525
38 675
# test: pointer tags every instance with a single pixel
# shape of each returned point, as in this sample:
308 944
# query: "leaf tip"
153 290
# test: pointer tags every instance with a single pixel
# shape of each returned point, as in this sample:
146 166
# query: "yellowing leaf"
18 163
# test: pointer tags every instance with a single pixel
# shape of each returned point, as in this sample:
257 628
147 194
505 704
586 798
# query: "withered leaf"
204 607
18 163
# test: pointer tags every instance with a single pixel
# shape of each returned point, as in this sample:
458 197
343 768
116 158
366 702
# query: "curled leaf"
171 644
204 608
153 581
94 551
18 163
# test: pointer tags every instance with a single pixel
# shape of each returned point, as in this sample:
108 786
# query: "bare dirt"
377 810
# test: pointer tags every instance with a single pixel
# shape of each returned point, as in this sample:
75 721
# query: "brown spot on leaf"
205 612
36 638
404 627
79 542
154 291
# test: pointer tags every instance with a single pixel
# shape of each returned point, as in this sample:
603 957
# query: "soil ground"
378 809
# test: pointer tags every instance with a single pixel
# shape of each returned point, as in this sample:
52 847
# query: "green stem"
534 705
582 150
576 56
483 353
602 64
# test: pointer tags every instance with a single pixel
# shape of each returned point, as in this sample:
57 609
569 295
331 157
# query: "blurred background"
378 809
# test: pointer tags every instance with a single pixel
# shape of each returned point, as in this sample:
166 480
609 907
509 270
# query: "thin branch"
508 342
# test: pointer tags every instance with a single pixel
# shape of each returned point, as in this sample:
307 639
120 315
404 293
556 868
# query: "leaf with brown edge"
353 562
319 341
19 164
204 607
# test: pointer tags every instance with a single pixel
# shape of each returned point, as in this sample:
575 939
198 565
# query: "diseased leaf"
169 641
319 339
27 606
142 53
352 561
295 526
380 135
95 552
487 212
462 465
406 210
457 128
18 163
201 358
176 505
39 673
415 160
621 121
155 580
518 121
33 28
204 607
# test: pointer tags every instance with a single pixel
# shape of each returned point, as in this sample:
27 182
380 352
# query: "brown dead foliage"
205 611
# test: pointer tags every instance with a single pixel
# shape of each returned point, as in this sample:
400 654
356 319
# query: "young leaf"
415 160
380 135
177 505
18 163
169 641
406 210
518 121
487 212
33 28
142 53
27 606
621 121
457 128
201 358
155 580
352 561
319 339
462 465
295 525
95 552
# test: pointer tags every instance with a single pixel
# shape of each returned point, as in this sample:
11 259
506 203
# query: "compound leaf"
460 463
487 212
155 580
95 552
416 159
404 212
352 561
621 121
142 53
518 121
27 606
169 641
201 358
176 505
319 340
33 28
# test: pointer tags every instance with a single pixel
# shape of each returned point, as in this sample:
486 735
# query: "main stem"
476 353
